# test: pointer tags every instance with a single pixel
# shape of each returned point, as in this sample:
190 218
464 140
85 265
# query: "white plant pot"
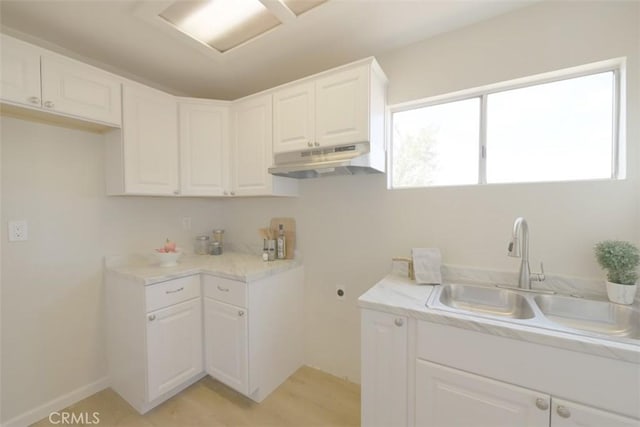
621 294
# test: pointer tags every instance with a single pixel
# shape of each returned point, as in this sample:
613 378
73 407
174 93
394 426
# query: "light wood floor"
308 398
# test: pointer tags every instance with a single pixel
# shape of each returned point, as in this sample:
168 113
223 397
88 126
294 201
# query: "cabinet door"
226 350
293 118
20 78
174 346
384 369
570 414
342 107
73 88
252 147
150 139
447 397
203 148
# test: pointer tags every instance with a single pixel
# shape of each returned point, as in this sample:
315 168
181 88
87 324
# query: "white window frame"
618 158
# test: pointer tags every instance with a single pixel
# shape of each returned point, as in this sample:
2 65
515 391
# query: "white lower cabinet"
163 337
174 346
434 375
571 414
448 397
384 369
253 336
226 338
154 338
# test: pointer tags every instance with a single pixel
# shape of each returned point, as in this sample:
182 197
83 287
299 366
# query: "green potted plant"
621 260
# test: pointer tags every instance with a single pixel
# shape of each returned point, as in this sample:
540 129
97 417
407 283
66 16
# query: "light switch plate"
18 230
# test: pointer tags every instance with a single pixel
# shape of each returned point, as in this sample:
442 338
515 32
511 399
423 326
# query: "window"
560 129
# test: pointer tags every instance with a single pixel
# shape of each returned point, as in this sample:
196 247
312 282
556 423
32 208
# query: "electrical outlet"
186 223
18 230
340 291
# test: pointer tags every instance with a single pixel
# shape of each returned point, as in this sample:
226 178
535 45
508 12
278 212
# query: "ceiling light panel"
298 7
221 24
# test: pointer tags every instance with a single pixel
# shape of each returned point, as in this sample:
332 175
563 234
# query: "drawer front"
172 292
225 290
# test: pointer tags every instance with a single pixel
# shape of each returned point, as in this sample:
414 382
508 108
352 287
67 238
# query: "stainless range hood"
351 159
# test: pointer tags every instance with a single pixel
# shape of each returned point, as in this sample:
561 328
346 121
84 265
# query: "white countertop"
230 265
397 294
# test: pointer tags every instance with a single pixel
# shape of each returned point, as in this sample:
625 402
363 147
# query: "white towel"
426 264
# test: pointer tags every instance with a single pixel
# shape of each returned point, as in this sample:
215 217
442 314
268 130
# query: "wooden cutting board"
289 225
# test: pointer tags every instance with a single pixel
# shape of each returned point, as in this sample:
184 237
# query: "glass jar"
218 235
215 248
201 245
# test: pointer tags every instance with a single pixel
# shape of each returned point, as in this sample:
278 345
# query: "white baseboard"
43 411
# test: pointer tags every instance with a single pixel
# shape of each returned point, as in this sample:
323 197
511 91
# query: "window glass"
551 132
436 145
564 130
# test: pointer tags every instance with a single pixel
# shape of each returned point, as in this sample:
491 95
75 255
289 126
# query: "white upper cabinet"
338 107
204 147
144 159
342 107
20 72
251 150
77 89
43 80
294 118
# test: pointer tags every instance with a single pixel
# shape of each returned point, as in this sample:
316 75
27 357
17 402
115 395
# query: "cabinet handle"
220 288
174 291
240 313
398 321
49 104
34 100
152 317
563 411
542 404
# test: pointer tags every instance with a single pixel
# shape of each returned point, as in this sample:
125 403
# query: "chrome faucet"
521 249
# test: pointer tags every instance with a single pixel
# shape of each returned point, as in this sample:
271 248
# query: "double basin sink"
579 316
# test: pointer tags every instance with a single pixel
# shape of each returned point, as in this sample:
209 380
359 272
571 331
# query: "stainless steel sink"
578 316
600 317
486 301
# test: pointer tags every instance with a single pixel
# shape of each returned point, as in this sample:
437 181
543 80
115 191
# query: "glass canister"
201 245
215 248
218 236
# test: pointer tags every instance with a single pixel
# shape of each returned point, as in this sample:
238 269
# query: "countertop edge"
149 274
417 309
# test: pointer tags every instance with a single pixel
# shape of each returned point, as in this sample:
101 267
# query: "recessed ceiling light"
225 24
301 6
222 24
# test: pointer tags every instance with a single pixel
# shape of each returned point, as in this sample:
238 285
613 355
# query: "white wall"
350 227
52 291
